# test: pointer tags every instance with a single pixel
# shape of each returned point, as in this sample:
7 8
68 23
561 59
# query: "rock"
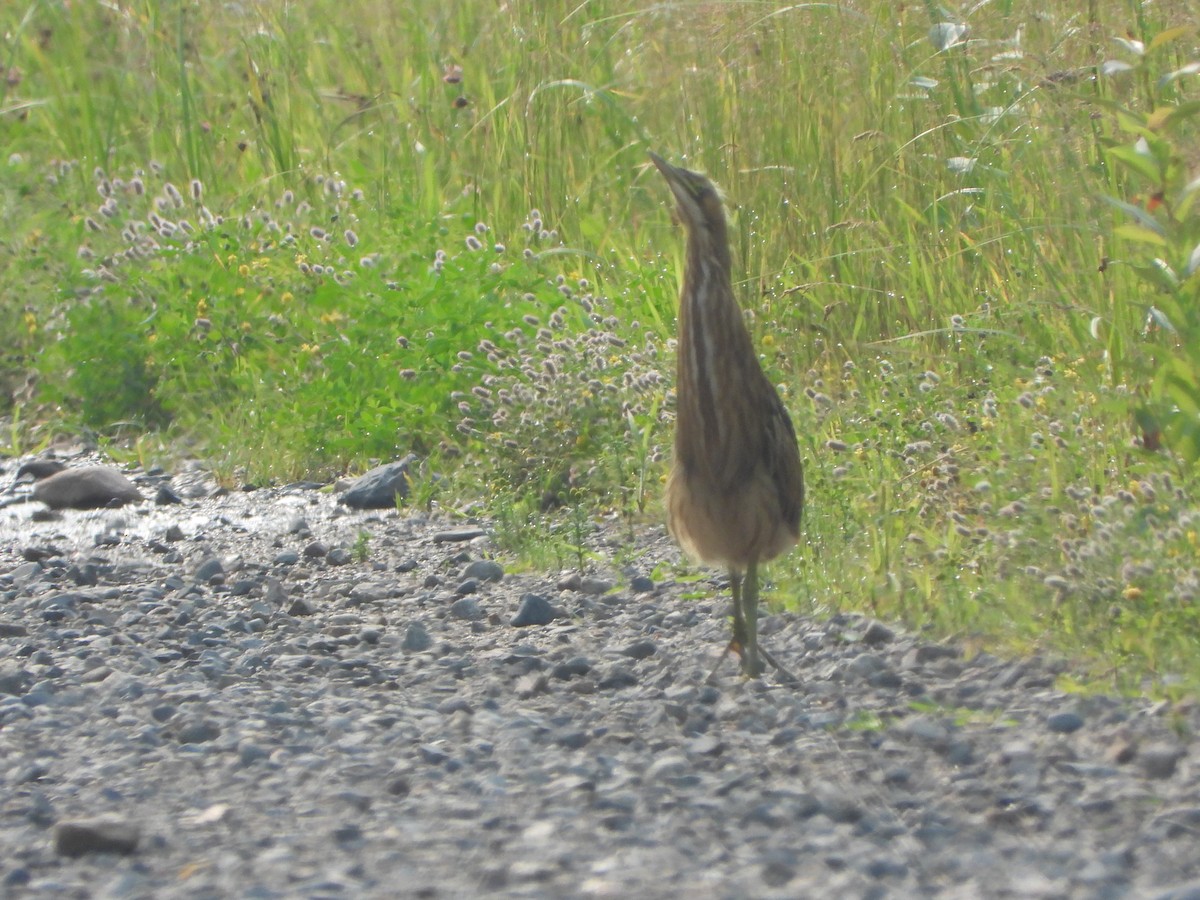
484 570
100 836
641 584
877 633
198 731
164 496
570 582
1064 722
1159 760
468 586
37 554
380 487
467 608
416 638
458 535
316 550
209 569
595 585
14 680
639 649
173 533
339 556
87 487
534 610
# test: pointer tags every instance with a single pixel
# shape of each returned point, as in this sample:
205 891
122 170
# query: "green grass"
966 254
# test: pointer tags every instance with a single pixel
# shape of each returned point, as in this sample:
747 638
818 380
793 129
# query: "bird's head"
698 199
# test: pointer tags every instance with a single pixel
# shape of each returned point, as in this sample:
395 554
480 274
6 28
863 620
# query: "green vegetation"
293 238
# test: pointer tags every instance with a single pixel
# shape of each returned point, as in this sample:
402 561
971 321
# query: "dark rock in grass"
534 610
379 488
88 487
101 836
339 556
316 550
1064 722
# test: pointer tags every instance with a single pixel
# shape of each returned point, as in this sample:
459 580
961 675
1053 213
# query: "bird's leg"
739 625
751 664
748 618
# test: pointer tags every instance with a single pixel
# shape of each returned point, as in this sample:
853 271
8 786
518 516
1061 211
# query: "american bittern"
736 488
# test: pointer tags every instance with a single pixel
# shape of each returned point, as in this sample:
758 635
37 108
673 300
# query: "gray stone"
639 649
100 836
458 535
209 569
1159 760
87 487
467 608
381 487
484 570
878 633
198 731
416 638
534 610
1064 722
641 584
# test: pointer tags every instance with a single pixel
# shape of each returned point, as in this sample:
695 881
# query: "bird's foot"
735 646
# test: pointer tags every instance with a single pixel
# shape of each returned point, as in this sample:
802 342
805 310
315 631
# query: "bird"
735 493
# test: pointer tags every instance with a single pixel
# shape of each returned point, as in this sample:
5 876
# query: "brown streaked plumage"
736 489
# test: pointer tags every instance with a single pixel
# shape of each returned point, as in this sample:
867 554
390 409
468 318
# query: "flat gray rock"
380 487
86 487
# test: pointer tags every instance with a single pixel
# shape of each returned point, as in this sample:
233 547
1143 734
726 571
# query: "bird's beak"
665 167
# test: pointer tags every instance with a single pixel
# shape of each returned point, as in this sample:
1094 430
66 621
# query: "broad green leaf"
1171 34
1140 234
1137 212
1170 116
1141 163
1156 277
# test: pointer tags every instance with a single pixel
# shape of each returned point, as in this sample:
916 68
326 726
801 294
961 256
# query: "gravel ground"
223 699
